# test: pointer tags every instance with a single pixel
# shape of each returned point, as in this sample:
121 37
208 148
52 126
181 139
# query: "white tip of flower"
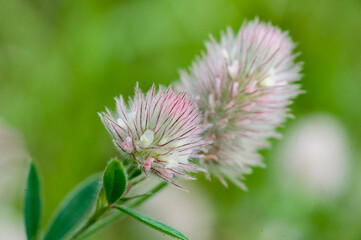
173 160
233 69
225 54
167 158
172 164
269 81
121 123
147 139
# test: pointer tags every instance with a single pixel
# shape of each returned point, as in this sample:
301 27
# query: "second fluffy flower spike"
243 84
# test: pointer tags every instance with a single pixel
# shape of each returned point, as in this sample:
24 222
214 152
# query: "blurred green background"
61 62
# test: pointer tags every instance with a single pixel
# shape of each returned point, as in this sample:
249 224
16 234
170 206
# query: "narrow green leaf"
114 181
134 197
73 209
32 204
152 223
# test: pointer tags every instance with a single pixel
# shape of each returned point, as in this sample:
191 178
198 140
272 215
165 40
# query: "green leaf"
114 181
152 223
73 208
32 204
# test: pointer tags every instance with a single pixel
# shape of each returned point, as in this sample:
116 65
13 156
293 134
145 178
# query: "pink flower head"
243 85
160 130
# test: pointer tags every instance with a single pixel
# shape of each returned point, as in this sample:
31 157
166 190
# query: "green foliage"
161 227
63 61
32 204
73 209
114 181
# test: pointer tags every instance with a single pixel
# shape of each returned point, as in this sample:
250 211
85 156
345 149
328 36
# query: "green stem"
93 219
96 227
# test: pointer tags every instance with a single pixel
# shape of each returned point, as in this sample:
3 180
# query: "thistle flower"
160 130
243 85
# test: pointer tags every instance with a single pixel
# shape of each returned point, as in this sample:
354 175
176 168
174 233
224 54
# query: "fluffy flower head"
160 130
243 85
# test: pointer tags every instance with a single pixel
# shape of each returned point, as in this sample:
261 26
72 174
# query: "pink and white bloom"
160 130
243 85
